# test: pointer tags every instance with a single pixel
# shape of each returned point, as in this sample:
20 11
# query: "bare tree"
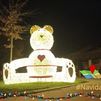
12 22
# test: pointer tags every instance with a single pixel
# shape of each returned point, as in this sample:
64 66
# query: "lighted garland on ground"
4 95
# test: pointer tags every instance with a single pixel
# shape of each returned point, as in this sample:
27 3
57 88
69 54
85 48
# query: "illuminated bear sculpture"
41 65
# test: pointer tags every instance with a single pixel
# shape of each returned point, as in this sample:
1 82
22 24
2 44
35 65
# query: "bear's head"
41 38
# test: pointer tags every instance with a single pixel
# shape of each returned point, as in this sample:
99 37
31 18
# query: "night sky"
75 22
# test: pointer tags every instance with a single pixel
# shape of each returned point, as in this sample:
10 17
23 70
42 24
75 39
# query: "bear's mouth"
41 36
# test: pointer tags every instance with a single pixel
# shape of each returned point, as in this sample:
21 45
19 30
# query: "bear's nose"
41 36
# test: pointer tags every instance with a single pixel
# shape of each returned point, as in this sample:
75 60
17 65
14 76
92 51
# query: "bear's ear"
48 28
34 28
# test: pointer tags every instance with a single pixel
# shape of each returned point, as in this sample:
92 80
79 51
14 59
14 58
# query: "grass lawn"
35 86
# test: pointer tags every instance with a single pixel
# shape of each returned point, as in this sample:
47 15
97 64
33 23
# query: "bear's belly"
42 64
